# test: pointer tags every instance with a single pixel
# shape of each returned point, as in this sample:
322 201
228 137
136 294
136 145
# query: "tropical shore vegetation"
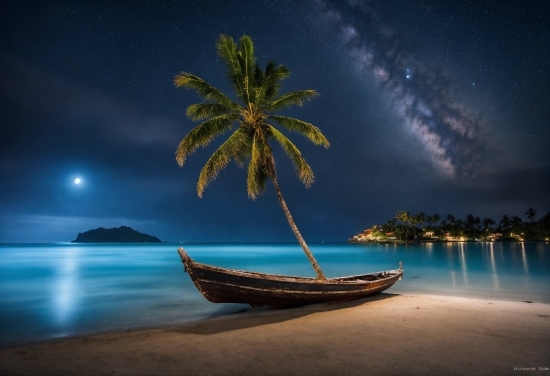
407 227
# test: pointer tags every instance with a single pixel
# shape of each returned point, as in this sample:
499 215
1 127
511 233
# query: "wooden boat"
220 285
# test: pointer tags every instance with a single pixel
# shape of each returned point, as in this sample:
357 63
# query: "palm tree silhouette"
531 214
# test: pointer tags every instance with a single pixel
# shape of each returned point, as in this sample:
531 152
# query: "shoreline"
411 242
384 334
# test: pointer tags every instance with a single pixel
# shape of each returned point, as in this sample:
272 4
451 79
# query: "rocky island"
122 234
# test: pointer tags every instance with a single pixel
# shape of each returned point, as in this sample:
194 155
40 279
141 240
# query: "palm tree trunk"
301 240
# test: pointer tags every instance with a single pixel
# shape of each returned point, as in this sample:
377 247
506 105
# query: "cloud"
33 90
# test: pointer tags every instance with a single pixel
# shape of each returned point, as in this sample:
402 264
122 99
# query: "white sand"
384 335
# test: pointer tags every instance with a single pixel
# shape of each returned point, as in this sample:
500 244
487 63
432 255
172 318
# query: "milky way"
422 96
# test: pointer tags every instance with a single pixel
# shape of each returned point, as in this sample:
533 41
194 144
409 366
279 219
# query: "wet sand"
383 335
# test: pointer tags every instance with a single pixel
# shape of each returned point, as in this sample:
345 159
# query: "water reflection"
449 251
463 263
493 267
524 259
453 278
66 285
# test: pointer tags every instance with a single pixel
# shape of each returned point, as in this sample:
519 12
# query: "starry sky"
434 106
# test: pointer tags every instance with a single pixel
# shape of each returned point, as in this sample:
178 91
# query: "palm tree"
504 221
516 221
257 93
405 218
444 225
487 223
389 226
477 223
429 220
401 216
470 221
451 219
436 217
459 227
421 218
531 214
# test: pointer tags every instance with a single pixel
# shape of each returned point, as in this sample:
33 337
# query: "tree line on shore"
405 226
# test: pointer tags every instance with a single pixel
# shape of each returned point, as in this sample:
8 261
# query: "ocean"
57 290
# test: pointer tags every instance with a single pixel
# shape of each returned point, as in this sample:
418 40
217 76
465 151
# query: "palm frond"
292 98
258 169
273 76
267 84
203 134
308 130
207 91
270 67
247 62
258 82
227 50
258 75
303 170
276 73
201 111
236 147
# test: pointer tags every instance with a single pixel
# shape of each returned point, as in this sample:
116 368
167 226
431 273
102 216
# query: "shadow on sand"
254 317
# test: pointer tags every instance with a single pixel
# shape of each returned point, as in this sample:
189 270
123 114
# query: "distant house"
390 235
451 238
428 234
367 235
516 236
494 236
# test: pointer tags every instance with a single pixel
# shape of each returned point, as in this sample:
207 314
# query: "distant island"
122 234
405 227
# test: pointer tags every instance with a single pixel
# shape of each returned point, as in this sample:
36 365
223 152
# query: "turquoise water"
57 290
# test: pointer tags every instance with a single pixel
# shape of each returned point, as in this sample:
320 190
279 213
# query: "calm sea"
57 290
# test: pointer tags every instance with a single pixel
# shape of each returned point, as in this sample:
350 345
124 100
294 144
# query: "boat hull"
220 285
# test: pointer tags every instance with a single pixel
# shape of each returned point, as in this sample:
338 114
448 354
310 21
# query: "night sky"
434 106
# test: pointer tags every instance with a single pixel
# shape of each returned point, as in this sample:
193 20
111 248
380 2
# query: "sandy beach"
383 335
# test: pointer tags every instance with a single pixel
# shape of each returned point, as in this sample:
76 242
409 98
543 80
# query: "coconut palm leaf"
207 91
303 170
309 130
203 134
235 147
247 63
201 111
227 50
270 85
292 98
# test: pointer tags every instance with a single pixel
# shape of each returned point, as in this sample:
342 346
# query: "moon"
77 181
